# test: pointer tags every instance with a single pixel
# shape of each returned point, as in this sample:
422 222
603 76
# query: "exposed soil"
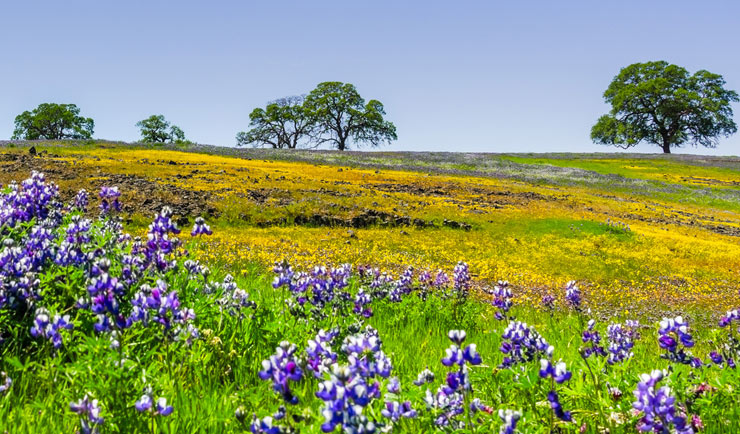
143 196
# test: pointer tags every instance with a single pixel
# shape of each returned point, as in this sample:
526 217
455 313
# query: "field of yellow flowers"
640 233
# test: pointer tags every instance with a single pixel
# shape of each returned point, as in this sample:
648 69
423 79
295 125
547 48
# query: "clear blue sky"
456 76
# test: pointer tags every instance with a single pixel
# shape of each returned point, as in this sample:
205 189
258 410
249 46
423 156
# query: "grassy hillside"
95 324
537 221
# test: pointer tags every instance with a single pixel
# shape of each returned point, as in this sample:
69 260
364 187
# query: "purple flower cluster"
34 198
674 337
158 305
573 295
592 338
320 356
730 317
282 368
233 299
89 412
200 228
352 387
501 299
157 407
522 344
109 200
509 419
658 407
81 200
450 396
461 280
558 372
50 328
621 339
557 408
161 242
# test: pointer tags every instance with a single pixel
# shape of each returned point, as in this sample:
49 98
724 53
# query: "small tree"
341 116
662 104
53 122
284 123
156 129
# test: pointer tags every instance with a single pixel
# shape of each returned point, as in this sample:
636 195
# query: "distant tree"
341 117
156 129
54 122
662 104
284 123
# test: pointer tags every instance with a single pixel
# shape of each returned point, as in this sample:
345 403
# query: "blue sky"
455 76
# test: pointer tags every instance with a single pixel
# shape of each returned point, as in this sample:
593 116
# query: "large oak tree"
342 117
53 122
662 104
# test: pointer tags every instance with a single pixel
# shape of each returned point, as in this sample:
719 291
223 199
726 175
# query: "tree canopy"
334 113
156 129
284 123
342 117
662 104
53 122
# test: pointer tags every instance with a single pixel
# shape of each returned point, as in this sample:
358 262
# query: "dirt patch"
148 197
140 195
365 218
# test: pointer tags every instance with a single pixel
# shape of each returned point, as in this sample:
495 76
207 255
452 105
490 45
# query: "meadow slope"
642 232
619 270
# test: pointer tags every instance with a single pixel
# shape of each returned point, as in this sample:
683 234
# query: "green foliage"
284 123
156 129
662 104
342 116
53 122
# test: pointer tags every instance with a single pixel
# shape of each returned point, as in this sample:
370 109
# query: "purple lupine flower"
573 295
147 404
284 274
89 412
658 407
394 410
441 279
264 426
455 355
522 344
729 317
501 299
424 377
558 372
109 200
593 338
673 336
81 200
509 418
450 403
461 280
557 408
346 394
362 302
200 228
44 327
282 368
394 386
621 340
233 299
319 353
365 355
548 302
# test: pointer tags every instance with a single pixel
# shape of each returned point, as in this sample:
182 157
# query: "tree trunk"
666 143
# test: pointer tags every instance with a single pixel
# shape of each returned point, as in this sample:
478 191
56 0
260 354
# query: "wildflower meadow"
107 331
